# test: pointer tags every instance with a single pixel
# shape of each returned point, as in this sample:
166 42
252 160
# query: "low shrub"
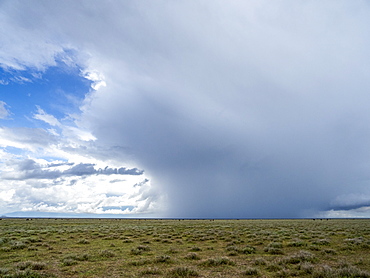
273 251
242 250
306 267
183 272
3 240
173 251
260 261
151 271
143 248
322 241
106 253
31 265
17 245
192 256
274 267
296 243
163 259
83 241
326 271
301 256
275 245
248 250
140 263
283 273
135 251
354 241
30 274
250 271
217 261
4 271
77 257
351 271
329 251
68 262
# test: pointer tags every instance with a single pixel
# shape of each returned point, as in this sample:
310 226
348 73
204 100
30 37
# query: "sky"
204 109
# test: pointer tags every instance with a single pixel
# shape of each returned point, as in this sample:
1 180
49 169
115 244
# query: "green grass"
186 248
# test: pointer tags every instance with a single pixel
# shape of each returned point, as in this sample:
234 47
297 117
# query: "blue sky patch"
58 91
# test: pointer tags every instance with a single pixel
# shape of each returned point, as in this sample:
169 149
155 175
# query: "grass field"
184 248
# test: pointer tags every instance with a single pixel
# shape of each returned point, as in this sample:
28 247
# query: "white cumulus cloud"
4 111
47 118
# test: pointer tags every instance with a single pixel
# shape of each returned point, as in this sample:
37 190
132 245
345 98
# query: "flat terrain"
184 248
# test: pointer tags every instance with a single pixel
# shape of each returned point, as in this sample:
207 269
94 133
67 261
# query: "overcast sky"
185 108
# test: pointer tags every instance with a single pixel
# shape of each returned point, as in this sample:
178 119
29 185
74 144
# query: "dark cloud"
350 207
59 164
30 169
350 202
141 183
116 180
81 169
125 171
260 114
27 165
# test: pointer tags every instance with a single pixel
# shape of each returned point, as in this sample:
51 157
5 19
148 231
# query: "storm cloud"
234 109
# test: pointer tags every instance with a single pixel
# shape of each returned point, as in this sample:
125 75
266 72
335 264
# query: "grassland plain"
184 248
